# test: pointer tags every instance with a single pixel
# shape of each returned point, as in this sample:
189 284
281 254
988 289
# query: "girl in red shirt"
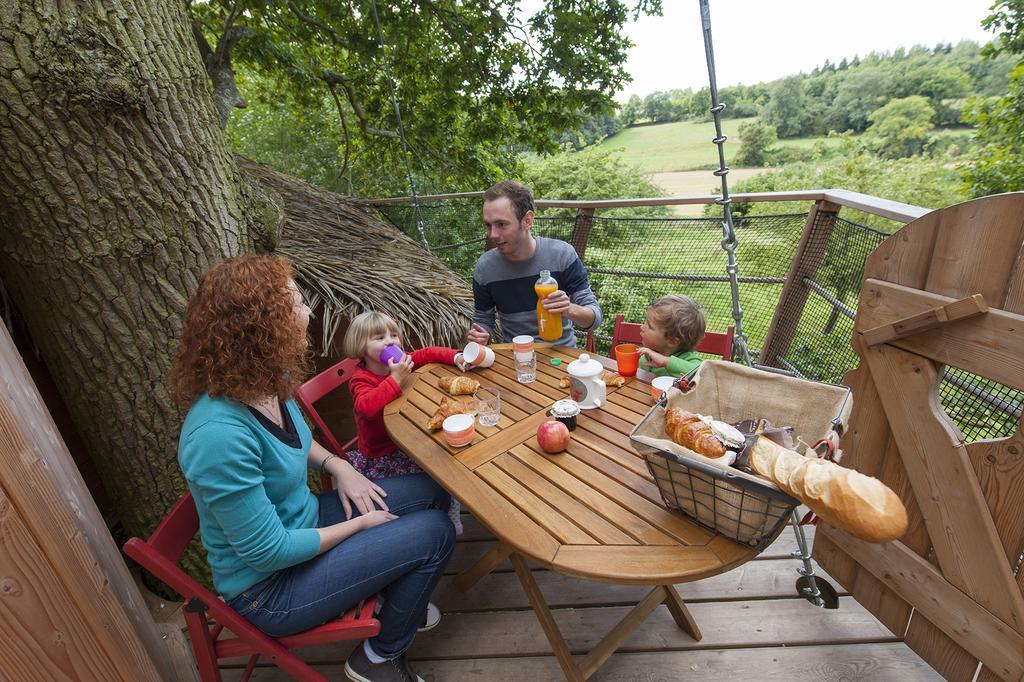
374 385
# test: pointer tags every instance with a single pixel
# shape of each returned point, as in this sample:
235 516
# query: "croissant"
458 385
688 430
447 409
609 377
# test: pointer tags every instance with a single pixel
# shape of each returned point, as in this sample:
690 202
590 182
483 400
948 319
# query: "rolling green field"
686 145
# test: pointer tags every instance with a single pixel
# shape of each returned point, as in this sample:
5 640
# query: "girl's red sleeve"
368 399
425 356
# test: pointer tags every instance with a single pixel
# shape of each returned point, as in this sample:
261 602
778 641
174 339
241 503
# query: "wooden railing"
802 271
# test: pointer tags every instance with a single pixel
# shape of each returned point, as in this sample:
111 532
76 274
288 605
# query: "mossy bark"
117 190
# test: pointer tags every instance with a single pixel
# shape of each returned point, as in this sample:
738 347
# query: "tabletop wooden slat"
593 510
594 523
546 516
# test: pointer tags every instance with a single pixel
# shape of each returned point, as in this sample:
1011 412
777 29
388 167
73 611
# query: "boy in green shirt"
674 326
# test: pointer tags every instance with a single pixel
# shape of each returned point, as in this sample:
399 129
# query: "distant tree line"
833 97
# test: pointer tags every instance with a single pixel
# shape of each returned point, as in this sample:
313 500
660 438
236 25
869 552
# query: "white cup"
659 385
477 355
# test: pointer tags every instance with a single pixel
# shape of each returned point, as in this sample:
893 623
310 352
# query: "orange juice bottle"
549 325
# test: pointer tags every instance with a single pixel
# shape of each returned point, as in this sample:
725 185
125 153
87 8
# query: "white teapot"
585 384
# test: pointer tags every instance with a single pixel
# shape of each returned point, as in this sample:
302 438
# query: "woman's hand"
654 359
356 489
401 371
375 518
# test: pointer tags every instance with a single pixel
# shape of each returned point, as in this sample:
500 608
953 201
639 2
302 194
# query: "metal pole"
728 231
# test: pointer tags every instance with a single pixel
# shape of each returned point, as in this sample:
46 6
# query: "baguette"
688 430
861 505
458 385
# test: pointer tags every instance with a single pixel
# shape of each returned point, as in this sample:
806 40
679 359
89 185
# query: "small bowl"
459 430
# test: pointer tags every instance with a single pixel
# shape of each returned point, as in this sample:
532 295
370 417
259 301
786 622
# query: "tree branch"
344 129
335 78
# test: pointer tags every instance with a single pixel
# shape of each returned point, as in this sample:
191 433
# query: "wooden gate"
951 585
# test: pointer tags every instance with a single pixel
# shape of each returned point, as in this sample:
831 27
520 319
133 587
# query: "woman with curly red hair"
285 559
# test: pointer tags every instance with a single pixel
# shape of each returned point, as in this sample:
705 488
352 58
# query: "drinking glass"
627 357
488 406
526 367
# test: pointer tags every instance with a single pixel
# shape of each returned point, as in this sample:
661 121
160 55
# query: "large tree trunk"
116 191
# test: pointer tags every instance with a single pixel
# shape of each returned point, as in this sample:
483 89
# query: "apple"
553 436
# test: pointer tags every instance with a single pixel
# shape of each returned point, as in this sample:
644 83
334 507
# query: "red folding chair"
160 554
316 388
712 343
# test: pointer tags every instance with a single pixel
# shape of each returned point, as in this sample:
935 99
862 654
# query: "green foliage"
756 140
862 91
919 181
999 164
787 109
1008 18
472 87
902 127
594 173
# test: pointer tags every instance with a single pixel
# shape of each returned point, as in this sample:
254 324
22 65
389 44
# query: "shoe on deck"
359 669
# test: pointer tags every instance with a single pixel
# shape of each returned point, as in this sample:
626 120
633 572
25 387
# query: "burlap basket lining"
745 507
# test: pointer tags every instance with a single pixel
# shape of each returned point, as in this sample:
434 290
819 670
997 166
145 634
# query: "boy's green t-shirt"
680 364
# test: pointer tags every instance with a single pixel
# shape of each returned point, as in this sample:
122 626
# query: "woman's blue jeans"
403 559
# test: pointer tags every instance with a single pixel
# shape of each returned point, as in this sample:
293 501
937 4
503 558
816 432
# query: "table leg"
683 617
487 563
622 630
547 621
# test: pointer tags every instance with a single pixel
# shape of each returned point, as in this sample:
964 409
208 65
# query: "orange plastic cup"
627 357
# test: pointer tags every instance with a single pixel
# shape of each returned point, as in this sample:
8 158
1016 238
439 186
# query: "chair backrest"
316 388
712 343
160 554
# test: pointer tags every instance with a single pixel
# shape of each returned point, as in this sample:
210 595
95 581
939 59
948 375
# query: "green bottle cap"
556 361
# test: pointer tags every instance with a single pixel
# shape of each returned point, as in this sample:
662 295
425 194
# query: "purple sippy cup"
390 353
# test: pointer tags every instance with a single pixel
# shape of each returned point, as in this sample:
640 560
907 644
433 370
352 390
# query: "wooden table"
593 511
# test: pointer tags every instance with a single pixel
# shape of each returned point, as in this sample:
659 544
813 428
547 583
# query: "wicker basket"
744 507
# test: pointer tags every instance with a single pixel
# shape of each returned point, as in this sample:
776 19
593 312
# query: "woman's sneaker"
359 669
433 617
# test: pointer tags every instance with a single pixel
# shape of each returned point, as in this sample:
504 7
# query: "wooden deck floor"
754 625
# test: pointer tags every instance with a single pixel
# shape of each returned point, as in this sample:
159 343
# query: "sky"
761 40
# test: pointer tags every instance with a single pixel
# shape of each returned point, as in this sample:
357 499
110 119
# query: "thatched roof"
348 259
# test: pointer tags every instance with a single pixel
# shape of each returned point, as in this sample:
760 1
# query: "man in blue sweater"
504 276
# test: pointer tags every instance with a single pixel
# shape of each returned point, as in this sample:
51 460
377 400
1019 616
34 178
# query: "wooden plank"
622 630
961 309
45 635
976 247
630 521
999 465
482 453
806 259
477 497
547 621
581 230
44 490
945 486
789 622
477 539
947 657
904 258
584 515
955 613
1014 299
622 459
643 485
878 662
501 590
495 556
543 514
612 496
637 564
990 345
684 619
886 208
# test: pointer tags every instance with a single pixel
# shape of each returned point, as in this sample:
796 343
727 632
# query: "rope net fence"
632 261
